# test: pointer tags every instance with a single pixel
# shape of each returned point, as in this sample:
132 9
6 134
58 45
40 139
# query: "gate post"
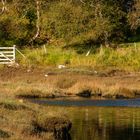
14 53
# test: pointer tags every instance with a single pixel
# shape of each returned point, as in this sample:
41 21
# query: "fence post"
135 45
14 53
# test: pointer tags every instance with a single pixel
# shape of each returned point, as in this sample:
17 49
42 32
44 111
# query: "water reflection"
106 124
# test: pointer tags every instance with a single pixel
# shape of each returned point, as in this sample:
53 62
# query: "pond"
99 119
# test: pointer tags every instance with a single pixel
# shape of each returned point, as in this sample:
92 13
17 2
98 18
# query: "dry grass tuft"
10 105
32 93
65 83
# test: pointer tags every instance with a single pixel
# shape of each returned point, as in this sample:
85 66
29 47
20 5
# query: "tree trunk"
37 21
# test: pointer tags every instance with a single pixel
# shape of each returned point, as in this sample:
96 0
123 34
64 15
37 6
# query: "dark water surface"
99 119
90 102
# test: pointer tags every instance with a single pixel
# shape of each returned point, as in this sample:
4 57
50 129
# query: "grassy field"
38 75
124 57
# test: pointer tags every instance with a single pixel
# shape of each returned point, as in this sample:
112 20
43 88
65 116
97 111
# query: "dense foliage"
68 22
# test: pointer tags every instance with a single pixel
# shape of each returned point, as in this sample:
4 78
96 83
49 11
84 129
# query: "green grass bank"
125 57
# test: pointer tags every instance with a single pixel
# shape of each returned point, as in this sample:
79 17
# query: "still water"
102 121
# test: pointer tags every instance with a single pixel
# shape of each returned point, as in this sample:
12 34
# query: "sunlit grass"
124 57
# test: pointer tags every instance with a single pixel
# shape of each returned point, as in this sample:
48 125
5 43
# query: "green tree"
24 22
134 15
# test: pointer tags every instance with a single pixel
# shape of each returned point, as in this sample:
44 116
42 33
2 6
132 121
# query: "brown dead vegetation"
32 83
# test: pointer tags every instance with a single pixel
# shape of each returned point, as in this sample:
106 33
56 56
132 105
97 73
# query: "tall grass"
127 58
45 57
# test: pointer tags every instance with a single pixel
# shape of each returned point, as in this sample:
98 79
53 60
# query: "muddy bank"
121 93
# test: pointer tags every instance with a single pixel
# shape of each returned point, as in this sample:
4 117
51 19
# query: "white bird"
46 75
61 66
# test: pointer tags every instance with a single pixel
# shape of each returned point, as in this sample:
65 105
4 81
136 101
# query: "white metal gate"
7 55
